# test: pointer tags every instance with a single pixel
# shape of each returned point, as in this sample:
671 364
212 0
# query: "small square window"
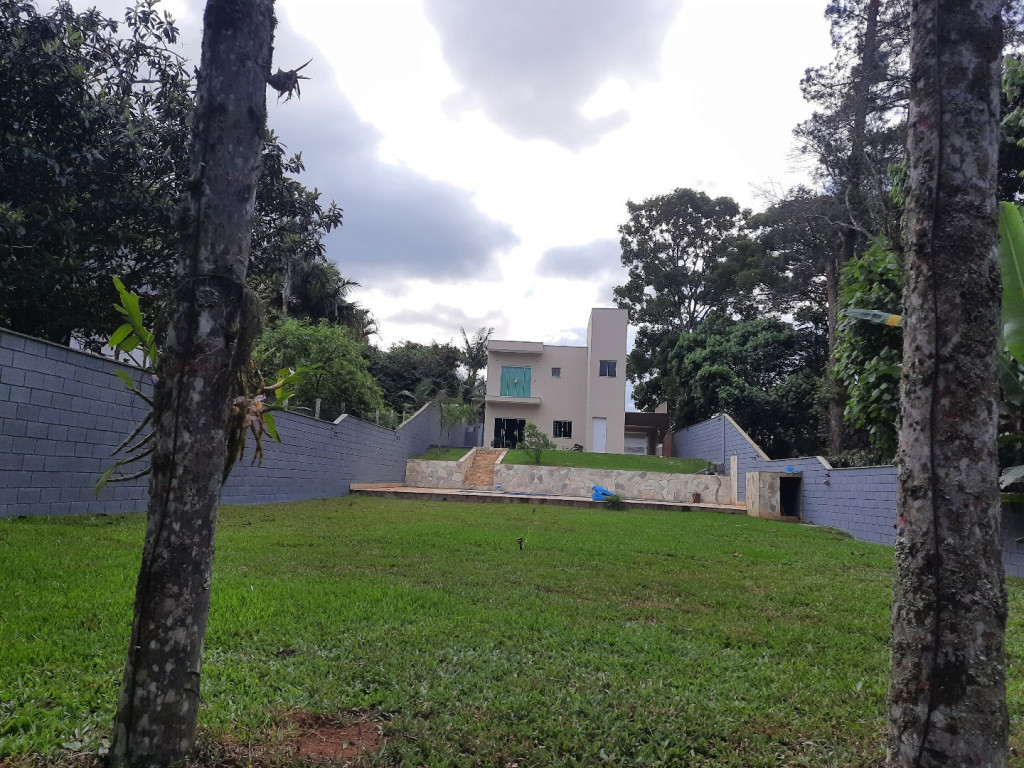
562 429
556 373
607 368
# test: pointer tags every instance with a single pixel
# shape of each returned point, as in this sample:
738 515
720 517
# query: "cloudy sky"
483 150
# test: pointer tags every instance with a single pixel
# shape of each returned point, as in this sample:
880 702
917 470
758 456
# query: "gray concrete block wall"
858 500
62 412
1013 551
701 441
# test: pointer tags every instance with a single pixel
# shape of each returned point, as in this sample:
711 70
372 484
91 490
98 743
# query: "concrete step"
481 472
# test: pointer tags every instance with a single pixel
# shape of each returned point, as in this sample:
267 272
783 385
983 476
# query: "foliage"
858 126
799 240
1011 144
341 380
868 356
251 413
94 127
535 442
686 257
474 358
454 411
402 368
290 269
449 604
424 393
95 119
614 501
761 372
1011 360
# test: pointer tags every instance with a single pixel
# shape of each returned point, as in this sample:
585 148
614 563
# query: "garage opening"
789 496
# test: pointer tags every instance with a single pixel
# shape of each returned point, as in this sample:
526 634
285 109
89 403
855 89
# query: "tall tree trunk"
947 695
209 339
852 237
837 392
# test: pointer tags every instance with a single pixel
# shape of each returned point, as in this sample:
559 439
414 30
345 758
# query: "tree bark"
209 338
947 695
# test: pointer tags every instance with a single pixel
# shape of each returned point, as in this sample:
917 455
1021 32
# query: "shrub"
535 442
615 502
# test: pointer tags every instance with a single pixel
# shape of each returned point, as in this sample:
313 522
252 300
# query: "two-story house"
574 394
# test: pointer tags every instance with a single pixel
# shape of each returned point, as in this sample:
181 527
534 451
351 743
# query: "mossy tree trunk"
947 695
208 340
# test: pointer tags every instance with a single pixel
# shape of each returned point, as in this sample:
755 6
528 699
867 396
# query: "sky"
483 152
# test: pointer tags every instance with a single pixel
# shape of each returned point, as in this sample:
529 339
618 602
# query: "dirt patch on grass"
297 739
326 739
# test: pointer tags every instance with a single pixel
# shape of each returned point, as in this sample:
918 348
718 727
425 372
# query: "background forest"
734 310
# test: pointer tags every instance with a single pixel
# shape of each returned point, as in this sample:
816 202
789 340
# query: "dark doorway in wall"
789 496
508 432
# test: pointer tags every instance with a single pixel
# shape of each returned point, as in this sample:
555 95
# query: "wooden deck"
396 490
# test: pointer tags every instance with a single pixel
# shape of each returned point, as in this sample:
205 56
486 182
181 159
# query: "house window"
556 373
562 429
607 368
515 381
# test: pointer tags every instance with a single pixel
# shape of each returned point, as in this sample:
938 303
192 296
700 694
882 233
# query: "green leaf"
271 427
1009 377
105 477
130 342
1011 263
125 378
119 335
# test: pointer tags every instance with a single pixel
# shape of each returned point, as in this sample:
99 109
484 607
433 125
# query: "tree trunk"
947 695
837 393
209 338
852 237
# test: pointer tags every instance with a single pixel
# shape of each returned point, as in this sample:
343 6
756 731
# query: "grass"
443 454
609 461
629 638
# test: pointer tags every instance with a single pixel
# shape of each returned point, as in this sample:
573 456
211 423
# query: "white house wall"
606 396
561 399
579 395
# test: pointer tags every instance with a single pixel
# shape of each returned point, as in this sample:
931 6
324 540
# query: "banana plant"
1011 264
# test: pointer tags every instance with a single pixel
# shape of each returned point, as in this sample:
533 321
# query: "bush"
615 502
535 442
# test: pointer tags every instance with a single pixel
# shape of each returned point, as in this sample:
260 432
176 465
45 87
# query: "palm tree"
474 355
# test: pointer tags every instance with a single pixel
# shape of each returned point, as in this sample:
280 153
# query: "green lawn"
443 454
609 461
627 638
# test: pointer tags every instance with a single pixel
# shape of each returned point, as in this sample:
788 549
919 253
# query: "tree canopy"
762 372
342 380
93 163
686 256
403 367
95 117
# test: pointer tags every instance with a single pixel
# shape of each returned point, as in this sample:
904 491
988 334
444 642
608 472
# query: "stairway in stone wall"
480 474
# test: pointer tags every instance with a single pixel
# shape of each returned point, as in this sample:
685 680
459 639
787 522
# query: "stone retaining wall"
423 473
648 486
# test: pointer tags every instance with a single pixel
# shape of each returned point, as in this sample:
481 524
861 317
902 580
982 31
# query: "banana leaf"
1011 263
